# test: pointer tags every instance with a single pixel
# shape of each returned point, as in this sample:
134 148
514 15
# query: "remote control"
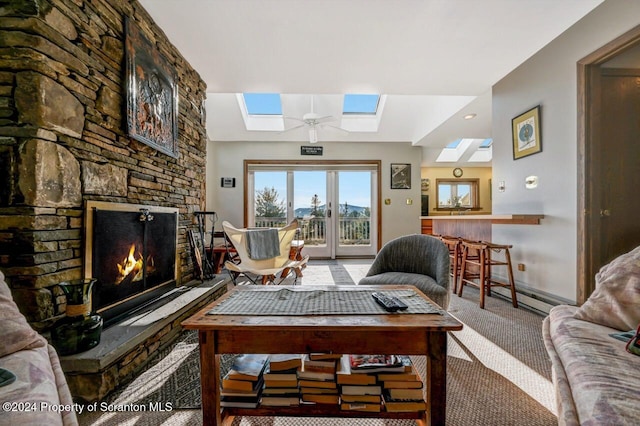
389 303
399 303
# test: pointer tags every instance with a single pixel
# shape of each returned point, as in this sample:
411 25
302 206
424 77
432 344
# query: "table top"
205 321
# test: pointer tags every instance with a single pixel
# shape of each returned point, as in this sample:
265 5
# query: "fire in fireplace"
131 250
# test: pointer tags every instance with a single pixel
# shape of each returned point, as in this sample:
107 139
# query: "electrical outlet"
521 267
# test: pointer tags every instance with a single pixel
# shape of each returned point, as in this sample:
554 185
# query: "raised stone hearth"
126 347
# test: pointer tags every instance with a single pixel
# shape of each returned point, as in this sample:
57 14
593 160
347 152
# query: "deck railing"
352 230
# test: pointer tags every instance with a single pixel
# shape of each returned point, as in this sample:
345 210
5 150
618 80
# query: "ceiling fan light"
313 135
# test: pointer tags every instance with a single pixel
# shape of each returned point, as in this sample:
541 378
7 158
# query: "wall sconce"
531 182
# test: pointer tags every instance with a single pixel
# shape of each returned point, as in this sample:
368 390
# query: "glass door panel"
355 224
269 199
311 206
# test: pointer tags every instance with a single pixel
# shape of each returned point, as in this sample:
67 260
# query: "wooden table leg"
209 379
436 380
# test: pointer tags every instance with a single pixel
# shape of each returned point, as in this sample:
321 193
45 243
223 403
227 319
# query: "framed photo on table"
400 176
525 128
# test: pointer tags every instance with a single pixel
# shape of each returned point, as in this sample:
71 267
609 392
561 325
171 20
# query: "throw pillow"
615 302
15 334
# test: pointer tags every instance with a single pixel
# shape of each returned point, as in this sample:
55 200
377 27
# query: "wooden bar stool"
480 269
455 258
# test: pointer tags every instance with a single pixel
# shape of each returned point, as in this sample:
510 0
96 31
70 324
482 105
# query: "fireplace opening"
131 251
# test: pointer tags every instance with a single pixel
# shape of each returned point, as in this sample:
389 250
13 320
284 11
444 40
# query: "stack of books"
242 385
402 400
402 391
317 379
358 392
281 381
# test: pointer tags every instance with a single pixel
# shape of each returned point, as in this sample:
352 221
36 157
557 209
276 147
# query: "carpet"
498 374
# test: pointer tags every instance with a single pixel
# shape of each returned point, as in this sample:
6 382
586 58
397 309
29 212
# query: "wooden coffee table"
406 334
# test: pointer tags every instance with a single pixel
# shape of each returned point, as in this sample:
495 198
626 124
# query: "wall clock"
457 172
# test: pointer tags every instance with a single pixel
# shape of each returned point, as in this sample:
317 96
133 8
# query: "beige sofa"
597 381
39 395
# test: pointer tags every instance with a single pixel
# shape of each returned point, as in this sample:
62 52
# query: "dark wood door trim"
588 78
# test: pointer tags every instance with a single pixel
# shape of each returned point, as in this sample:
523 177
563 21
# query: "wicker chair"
419 260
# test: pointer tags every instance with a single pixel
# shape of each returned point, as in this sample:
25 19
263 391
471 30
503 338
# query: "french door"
336 205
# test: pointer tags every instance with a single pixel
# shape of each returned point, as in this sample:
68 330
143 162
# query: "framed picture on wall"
152 93
526 135
400 176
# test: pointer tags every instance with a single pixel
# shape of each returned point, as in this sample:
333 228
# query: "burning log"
130 269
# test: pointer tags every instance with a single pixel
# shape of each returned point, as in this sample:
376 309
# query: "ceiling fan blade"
336 127
291 128
293 118
325 118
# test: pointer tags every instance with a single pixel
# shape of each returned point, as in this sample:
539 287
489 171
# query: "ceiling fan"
312 120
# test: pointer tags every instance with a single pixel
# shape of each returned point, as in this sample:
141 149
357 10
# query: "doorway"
608 156
336 203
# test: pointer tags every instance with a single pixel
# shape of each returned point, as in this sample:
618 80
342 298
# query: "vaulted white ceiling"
436 60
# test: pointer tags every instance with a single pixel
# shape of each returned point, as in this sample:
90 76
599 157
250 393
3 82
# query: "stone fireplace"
64 143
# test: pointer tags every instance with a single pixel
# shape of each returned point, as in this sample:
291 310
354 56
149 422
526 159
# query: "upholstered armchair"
419 260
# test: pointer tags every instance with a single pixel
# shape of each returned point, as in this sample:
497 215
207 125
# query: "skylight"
454 144
360 104
263 103
484 153
454 150
261 111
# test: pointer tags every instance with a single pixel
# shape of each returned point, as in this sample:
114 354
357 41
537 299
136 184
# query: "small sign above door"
311 150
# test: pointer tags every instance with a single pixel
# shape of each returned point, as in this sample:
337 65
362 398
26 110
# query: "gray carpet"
498 374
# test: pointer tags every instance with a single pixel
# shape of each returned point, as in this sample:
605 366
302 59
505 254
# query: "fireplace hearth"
131 250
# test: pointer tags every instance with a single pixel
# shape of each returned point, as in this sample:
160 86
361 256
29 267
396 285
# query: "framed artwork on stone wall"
152 93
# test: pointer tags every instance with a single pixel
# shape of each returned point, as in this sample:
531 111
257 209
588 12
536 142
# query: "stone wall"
63 140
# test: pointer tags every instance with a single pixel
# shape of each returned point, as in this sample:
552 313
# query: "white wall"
225 159
549 250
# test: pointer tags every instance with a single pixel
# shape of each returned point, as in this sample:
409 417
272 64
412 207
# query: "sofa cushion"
15 334
601 375
616 300
35 387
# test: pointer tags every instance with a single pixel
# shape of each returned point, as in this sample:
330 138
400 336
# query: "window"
360 104
263 103
457 194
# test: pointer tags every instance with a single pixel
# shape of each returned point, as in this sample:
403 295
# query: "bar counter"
475 227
